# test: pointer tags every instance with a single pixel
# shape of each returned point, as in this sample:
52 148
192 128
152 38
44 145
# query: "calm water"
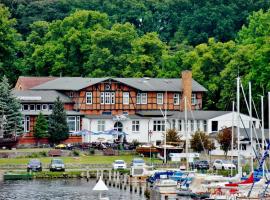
71 189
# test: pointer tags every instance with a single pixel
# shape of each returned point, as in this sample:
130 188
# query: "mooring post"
110 175
97 175
87 174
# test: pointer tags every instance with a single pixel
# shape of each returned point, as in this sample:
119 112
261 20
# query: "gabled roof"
26 82
69 83
159 84
44 96
199 114
143 84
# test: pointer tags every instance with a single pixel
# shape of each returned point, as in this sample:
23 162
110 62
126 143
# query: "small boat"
165 186
193 195
13 176
184 178
159 175
146 150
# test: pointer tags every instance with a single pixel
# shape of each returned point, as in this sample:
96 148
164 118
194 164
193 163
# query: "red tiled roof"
25 83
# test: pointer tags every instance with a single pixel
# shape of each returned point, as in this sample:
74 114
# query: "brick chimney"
186 89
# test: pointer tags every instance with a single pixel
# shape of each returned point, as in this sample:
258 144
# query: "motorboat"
165 186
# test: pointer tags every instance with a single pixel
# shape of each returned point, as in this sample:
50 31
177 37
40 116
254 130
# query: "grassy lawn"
75 160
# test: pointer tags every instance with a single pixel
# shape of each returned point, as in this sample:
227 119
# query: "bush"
76 152
43 153
33 155
91 151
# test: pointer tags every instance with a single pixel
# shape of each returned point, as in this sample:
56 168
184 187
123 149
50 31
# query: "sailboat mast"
238 127
232 135
250 126
262 128
269 116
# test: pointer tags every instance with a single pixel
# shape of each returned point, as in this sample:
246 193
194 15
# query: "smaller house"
245 142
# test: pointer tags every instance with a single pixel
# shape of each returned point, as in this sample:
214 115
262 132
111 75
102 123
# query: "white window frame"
26 124
39 106
159 125
143 98
112 97
33 105
72 120
44 108
28 107
135 126
160 98
101 125
138 98
176 99
107 98
88 98
50 105
78 123
125 98
193 99
102 98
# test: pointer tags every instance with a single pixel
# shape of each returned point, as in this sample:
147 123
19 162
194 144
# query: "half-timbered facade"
103 104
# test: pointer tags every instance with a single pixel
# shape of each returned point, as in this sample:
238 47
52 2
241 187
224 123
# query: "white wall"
146 125
141 136
226 121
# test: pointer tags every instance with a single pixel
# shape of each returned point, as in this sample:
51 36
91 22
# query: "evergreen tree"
11 118
41 127
58 128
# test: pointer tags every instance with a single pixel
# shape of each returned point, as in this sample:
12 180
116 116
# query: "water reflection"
71 189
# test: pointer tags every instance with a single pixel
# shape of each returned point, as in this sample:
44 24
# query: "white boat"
165 186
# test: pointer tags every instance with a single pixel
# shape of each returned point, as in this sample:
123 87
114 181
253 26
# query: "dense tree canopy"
137 38
181 20
9 42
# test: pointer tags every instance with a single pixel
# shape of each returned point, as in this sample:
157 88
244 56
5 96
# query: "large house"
118 108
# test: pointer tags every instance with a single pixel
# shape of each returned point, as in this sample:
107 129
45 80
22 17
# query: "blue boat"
160 175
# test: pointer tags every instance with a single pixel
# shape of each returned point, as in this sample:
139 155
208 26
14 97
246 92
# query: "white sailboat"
100 187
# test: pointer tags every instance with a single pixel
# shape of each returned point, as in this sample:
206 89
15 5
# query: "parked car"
34 165
223 164
137 162
119 164
57 165
201 164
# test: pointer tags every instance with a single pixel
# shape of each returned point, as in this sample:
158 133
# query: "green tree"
9 111
200 141
207 61
251 59
57 127
173 137
9 44
41 127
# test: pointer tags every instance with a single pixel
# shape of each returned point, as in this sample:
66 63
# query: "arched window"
118 126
